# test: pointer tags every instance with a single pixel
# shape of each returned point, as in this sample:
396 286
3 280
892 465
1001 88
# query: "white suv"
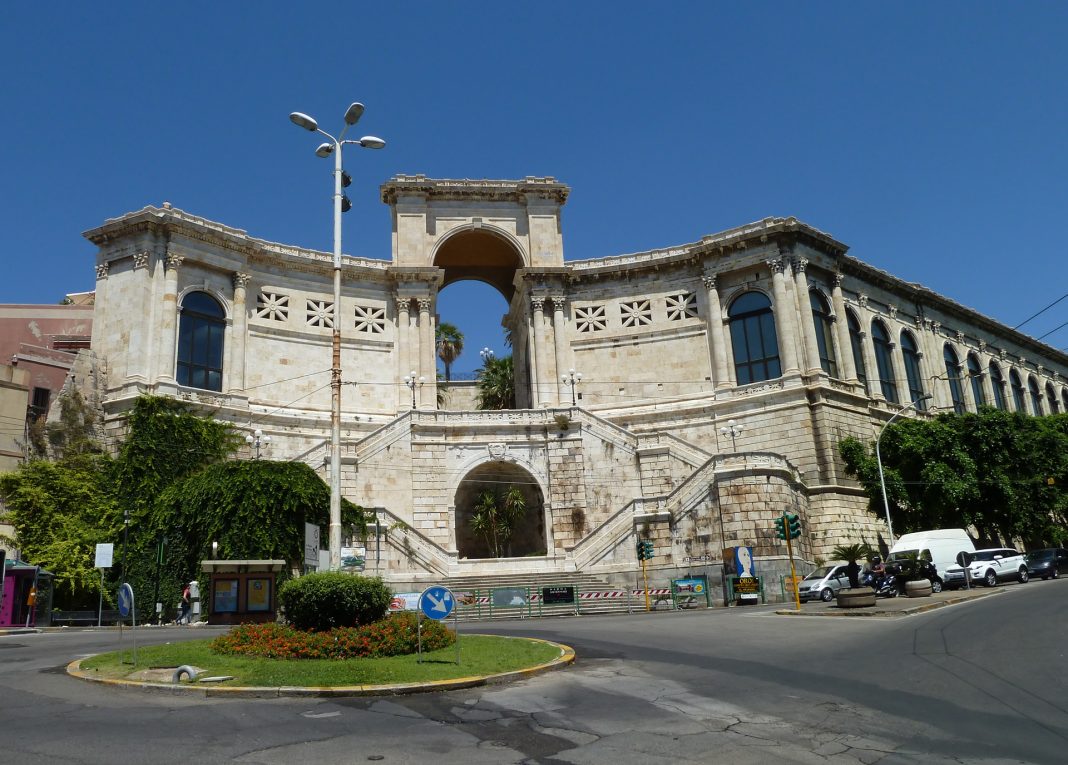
996 564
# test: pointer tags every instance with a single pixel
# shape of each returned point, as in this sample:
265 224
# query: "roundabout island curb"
566 657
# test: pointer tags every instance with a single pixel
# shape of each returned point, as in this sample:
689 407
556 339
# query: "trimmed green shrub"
329 599
394 636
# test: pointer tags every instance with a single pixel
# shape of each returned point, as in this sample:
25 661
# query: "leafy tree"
60 511
450 344
254 509
329 599
496 384
495 516
1003 473
75 432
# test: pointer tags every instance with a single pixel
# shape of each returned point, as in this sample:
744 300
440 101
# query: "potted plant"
915 574
854 596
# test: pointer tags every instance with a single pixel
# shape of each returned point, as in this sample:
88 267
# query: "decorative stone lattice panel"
590 318
370 320
320 313
636 313
682 306
272 306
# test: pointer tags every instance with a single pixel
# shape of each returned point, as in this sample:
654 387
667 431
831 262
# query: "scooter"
885 586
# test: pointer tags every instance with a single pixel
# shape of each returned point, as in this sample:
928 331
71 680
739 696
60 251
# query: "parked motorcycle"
885 586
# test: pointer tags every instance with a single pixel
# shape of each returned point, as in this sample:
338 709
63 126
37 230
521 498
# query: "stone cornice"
500 190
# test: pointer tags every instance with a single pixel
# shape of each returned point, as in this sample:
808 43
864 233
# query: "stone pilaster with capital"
841 328
102 270
717 336
140 260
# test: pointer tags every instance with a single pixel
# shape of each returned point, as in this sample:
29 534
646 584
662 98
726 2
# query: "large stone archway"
529 537
479 254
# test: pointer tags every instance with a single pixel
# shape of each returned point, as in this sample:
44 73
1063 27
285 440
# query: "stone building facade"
770 326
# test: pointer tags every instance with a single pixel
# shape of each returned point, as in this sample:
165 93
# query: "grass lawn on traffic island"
479 655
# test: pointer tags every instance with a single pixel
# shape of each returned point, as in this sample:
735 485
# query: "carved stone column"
168 326
560 349
875 389
238 335
427 368
984 366
404 348
844 354
804 310
717 346
539 367
784 317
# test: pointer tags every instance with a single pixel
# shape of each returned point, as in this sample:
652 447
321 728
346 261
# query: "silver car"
823 583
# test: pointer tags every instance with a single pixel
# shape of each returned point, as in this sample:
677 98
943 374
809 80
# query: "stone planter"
856 597
921 588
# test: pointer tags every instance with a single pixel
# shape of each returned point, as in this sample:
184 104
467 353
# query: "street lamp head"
325 150
353 113
371 142
303 120
249 439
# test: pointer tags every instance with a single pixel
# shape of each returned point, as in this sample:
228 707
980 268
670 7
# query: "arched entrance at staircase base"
529 537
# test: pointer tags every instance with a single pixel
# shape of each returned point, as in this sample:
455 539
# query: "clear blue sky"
929 137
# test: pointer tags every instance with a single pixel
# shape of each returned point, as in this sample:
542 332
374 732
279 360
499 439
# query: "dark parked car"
1049 563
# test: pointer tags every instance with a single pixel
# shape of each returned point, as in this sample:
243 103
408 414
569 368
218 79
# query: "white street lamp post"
487 355
341 204
413 382
879 459
733 430
256 439
571 379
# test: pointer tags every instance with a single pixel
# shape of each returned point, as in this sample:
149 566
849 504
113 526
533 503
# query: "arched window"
997 382
884 361
756 349
1064 398
200 342
857 342
976 373
1051 397
821 317
1017 391
911 357
1036 397
953 378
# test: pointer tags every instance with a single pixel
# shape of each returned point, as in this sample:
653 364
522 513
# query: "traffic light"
780 527
793 521
644 548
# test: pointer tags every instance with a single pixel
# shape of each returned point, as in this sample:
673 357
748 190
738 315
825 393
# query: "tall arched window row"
821 318
200 342
1036 397
756 348
856 341
1051 397
1017 391
884 361
911 356
953 378
975 373
997 384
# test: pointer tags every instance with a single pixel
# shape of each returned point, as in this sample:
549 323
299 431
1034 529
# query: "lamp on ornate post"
571 379
341 204
487 355
733 430
413 382
255 440
879 459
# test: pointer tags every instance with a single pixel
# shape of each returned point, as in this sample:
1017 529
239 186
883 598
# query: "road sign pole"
645 576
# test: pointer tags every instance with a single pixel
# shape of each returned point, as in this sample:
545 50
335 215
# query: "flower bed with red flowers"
395 635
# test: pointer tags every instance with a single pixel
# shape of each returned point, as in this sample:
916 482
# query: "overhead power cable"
1062 297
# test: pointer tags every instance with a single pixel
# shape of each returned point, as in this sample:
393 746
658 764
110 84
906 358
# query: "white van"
940 546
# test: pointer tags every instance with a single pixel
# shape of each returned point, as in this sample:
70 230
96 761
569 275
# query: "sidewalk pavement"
893 607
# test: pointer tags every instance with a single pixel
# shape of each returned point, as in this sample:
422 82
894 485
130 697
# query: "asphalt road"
984 682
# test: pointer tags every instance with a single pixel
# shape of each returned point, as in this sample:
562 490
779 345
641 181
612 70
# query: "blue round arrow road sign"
436 602
126 599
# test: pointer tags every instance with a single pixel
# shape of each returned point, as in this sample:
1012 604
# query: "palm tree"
496 384
495 516
851 554
450 344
